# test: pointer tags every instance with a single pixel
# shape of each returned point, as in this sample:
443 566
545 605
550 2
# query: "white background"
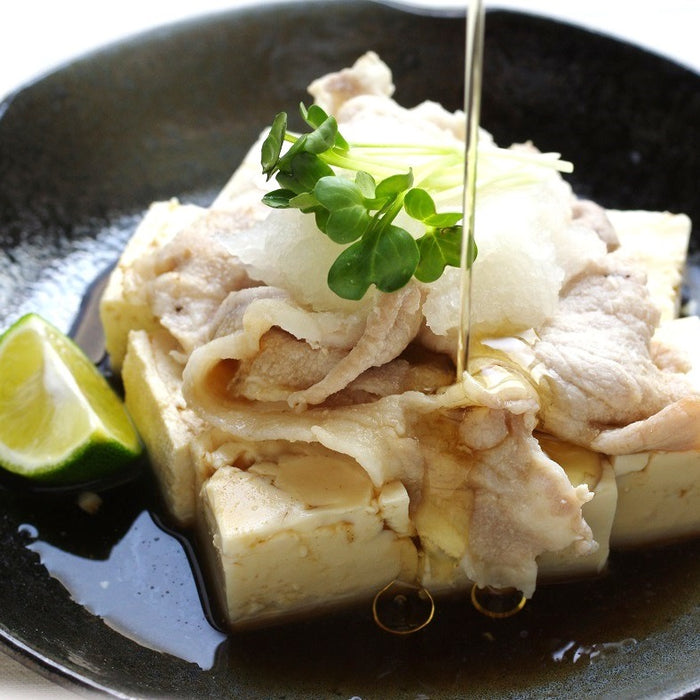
39 35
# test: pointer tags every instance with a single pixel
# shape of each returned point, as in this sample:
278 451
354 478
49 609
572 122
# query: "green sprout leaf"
348 276
347 225
305 202
438 248
393 259
302 172
338 193
419 204
272 145
315 116
386 259
323 137
279 199
321 216
348 216
394 185
366 184
446 220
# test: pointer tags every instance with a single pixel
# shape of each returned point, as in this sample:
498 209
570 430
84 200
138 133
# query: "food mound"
323 447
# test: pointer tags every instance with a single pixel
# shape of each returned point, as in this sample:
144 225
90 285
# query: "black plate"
83 152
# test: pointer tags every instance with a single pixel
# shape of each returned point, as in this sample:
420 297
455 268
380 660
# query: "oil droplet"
497 603
403 608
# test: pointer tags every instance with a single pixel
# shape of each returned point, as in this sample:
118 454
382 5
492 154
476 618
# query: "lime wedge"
60 421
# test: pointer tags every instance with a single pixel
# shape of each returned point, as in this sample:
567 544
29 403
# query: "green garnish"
359 212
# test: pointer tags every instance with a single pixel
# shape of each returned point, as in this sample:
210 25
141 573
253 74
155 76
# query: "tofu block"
289 538
658 498
659 241
153 397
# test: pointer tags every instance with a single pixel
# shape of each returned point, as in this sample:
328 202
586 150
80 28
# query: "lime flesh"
60 421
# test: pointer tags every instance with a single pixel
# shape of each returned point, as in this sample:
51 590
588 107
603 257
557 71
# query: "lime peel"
60 421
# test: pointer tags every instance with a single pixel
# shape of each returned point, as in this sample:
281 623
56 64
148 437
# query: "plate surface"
171 113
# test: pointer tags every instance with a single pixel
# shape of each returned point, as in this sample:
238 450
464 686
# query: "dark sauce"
126 565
